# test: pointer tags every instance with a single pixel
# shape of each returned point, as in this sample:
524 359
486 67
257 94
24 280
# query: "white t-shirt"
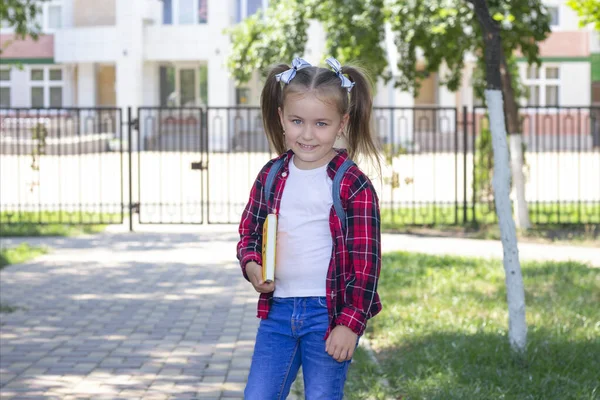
304 243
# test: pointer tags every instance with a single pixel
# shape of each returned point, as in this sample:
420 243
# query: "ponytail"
270 100
360 135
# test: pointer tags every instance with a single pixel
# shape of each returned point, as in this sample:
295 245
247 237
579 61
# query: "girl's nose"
307 133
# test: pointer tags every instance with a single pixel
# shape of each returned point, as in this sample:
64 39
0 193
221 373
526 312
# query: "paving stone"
79 340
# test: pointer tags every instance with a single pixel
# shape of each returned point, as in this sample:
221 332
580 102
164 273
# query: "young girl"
325 286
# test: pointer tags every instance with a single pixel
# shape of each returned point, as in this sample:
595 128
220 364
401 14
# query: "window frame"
178 67
45 15
175 6
7 84
557 8
543 82
46 84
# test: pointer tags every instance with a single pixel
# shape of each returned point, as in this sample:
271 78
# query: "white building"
173 52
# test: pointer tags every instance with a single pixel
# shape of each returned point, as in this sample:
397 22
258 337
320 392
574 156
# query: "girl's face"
311 128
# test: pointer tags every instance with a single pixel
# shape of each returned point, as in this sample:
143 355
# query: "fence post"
465 149
474 136
455 110
129 149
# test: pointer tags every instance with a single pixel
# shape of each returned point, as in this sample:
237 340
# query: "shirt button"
284 174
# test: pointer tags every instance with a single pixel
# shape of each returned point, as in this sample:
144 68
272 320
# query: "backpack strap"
337 184
271 178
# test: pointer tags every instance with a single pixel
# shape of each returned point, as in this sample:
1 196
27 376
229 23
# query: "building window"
4 97
54 16
183 86
5 88
242 96
247 8
46 87
185 12
50 16
542 85
553 12
37 97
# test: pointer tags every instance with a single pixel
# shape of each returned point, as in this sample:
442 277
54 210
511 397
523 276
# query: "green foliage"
442 333
446 31
38 133
19 254
54 223
588 12
276 35
354 32
22 16
484 166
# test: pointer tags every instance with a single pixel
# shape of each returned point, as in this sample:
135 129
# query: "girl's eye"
296 122
321 124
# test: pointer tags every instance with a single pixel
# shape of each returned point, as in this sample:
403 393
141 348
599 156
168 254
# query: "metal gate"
169 160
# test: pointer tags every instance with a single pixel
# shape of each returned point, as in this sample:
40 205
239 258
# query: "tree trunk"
515 292
511 111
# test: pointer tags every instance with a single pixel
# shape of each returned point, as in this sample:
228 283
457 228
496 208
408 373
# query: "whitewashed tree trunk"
515 292
516 160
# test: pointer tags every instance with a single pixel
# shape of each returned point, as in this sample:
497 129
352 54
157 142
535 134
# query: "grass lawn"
54 223
443 332
17 255
400 215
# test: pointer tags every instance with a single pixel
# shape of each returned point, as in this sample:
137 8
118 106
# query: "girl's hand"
254 272
341 343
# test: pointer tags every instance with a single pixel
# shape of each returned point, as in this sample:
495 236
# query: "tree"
588 12
515 292
444 31
354 32
21 16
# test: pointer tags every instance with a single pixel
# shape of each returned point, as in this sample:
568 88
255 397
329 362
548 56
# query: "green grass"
485 214
17 255
54 223
443 331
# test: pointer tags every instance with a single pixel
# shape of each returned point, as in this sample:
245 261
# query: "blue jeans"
291 336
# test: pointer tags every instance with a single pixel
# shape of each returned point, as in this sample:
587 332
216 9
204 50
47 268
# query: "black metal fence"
62 166
196 165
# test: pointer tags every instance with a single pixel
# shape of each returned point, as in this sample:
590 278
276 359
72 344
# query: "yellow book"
269 244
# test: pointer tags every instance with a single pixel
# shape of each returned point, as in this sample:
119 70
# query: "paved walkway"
160 314
128 316
490 248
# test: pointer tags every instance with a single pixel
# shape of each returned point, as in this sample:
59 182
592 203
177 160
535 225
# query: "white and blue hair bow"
287 76
337 68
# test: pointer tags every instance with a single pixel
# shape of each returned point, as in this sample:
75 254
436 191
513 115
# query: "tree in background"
444 32
21 15
588 12
515 291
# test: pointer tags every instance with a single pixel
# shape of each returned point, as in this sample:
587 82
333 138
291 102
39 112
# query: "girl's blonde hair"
358 104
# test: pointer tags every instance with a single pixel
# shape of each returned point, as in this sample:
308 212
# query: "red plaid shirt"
354 267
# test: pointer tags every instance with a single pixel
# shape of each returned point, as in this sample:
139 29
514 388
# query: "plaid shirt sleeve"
249 248
364 247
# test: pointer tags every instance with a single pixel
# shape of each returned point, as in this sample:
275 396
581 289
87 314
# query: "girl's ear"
344 122
280 111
